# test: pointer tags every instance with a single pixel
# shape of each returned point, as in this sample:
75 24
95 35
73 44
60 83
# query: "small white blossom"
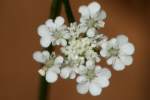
51 65
98 40
70 67
92 78
68 72
77 47
74 30
118 51
92 18
53 32
75 56
92 55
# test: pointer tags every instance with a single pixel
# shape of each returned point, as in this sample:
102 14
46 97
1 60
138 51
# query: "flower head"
53 32
51 65
118 51
81 47
75 30
92 78
92 18
70 68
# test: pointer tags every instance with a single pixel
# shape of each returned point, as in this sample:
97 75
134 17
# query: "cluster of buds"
81 48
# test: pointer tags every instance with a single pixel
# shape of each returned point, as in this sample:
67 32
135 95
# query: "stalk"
68 10
54 12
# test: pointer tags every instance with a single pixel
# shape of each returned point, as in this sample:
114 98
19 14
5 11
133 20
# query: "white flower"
76 52
52 32
51 65
77 47
92 55
74 30
92 18
98 40
70 67
92 78
68 72
118 51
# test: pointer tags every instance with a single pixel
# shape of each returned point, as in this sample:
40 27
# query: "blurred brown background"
19 79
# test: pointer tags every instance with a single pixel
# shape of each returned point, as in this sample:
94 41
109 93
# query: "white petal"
100 24
104 53
104 44
55 69
102 15
83 28
50 23
112 42
46 54
127 60
104 72
82 88
122 39
128 49
59 21
82 69
83 22
62 42
73 75
66 35
111 60
45 41
51 76
43 30
101 81
90 64
91 32
94 7
57 42
94 89
81 79
38 56
83 10
97 69
65 72
118 65
59 60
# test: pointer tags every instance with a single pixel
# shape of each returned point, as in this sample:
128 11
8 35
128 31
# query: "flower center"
57 34
90 74
49 63
91 23
113 51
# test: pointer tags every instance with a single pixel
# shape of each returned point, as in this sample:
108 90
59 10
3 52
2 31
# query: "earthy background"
19 79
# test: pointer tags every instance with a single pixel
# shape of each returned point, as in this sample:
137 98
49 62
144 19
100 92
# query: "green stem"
43 89
55 11
68 11
55 8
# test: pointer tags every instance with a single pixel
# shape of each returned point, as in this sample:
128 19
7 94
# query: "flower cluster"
81 48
